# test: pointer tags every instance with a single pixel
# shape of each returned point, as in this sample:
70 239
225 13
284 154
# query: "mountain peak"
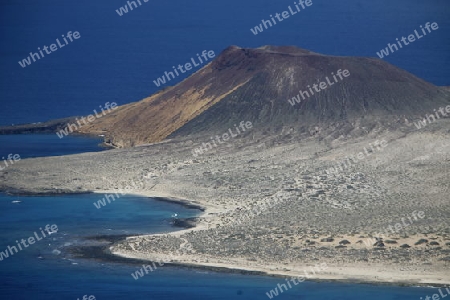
260 85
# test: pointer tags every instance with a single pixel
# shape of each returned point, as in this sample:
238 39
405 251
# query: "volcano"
257 85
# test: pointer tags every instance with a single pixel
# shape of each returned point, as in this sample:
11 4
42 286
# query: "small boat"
16 201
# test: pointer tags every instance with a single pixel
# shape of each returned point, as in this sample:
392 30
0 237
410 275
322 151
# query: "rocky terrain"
41 127
318 217
271 203
254 85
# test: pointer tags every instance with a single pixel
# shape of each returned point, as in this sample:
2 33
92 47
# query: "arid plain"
319 217
270 202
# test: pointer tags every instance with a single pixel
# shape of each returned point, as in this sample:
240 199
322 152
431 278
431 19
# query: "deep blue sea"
38 145
46 270
118 57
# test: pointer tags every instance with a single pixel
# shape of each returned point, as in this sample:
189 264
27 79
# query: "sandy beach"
374 273
278 211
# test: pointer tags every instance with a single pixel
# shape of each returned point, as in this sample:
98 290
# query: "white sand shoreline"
354 274
357 273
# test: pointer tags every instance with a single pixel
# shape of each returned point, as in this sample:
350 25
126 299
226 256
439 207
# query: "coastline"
52 127
357 273
102 253
376 274
354 274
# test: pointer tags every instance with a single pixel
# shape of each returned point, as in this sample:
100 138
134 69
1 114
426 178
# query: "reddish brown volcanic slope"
255 85
156 117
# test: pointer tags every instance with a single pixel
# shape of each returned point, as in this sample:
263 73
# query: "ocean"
117 58
39 145
48 270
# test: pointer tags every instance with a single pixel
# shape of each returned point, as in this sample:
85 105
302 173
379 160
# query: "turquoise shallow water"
37 272
40 272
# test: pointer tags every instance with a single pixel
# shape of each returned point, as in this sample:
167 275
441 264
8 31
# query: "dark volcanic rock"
421 241
44 127
185 223
327 240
